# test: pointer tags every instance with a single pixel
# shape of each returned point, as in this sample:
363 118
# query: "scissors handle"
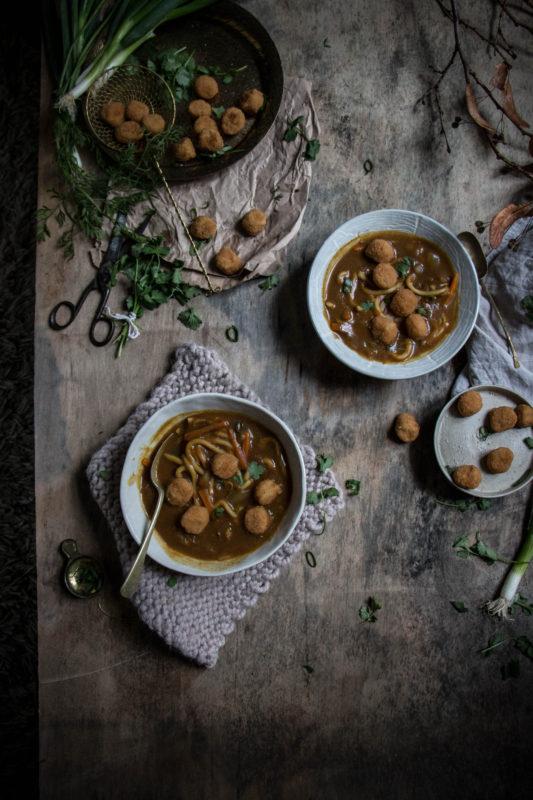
72 313
101 320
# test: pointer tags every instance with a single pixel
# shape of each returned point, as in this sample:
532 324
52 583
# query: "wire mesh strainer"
123 85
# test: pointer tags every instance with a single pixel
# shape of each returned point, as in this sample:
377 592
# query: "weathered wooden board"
404 708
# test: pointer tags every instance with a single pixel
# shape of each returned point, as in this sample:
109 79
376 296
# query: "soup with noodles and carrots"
391 296
227 485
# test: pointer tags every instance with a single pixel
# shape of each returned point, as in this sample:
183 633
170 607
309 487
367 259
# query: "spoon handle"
129 587
502 323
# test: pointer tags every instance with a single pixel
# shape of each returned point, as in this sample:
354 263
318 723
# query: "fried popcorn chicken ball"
384 329
524 416
266 491
203 227
416 327
184 150
403 303
257 520
227 261
154 123
205 123
210 140
113 113
136 110
232 121
195 519
380 250
224 465
406 427
129 131
206 87
499 460
469 403
252 101
179 492
384 275
199 108
502 418
253 222
467 476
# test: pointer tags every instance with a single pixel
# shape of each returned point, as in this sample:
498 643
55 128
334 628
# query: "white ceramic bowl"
464 440
133 510
410 222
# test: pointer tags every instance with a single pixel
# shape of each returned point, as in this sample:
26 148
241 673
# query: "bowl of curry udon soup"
393 294
233 479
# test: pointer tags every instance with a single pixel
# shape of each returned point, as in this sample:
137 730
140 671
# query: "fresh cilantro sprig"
522 643
478 549
270 282
314 497
352 487
482 503
294 129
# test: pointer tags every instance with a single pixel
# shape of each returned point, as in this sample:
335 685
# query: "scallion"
501 605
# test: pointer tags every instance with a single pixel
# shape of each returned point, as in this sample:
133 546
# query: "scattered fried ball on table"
224 465
524 416
227 261
113 113
406 427
154 123
179 492
129 131
469 403
403 303
253 222
210 141
232 121
184 150
203 227
380 250
416 327
136 110
467 476
499 460
204 123
384 329
384 275
206 87
266 491
252 101
199 108
257 520
195 519
502 418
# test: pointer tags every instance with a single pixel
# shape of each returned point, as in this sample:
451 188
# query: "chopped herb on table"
527 305
352 487
521 643
367 612
459 606
190 318
269 283
314 497
482 503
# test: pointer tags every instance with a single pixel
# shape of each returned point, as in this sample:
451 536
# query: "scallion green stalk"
500 606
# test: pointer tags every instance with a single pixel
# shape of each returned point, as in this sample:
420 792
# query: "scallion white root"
500 606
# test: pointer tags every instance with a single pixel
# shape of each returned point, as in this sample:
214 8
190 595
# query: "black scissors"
100 283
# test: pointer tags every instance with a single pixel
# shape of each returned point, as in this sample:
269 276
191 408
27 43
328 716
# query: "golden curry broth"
224 537
349 307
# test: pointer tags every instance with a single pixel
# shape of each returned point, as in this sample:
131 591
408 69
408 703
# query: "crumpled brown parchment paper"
273 177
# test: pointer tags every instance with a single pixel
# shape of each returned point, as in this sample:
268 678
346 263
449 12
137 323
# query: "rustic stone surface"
405 707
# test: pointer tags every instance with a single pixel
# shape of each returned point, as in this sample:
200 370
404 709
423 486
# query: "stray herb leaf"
255 470
311 149
269 283
527 305
326 43
352 487
523 604
367 612
172 581
459 606
367 305
529 442
346 286
105 474
481 503
483 433
323 462
190 318
403 266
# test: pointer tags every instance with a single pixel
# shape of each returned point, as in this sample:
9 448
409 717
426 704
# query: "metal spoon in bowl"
477 255
129 587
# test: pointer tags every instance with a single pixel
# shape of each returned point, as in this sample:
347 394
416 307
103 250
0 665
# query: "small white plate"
410 222
458 441
153 429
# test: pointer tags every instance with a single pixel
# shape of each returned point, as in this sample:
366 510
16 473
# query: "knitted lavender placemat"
195 616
